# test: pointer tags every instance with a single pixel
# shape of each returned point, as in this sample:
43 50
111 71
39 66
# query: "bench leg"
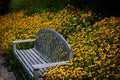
36 76
15 66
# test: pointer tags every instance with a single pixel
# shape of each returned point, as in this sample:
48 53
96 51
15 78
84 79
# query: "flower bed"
95 43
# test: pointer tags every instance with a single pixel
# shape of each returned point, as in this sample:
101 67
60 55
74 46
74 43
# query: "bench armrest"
38 66
21 41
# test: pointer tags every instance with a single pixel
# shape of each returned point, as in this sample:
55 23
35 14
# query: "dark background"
105 7
4 6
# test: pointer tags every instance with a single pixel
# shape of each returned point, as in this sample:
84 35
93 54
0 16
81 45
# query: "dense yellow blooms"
96 46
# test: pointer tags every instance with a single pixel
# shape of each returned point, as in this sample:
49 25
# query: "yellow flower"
103 56
95 78
107 76
113 65
97 62
89 74
100 71
95 58
118 67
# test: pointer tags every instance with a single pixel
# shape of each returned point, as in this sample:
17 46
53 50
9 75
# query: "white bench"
50 49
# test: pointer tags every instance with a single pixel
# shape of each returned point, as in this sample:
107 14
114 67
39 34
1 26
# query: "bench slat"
31 59
25 57
36 59
24 62
40 57
44 59
27 60
28 56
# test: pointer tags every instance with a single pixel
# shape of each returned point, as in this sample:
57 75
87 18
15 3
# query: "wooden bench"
50 49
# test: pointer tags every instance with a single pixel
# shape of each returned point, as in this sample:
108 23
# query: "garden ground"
4 73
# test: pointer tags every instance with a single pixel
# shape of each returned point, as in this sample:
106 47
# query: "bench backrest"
52 46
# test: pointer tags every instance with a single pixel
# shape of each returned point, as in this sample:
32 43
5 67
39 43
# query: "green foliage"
26 45
36 6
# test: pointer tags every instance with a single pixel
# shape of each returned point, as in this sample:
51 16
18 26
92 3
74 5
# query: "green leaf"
92 56
63 23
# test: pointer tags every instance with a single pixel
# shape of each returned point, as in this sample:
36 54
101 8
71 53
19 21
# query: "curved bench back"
52 46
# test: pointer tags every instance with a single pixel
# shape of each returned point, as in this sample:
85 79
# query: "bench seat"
29 57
